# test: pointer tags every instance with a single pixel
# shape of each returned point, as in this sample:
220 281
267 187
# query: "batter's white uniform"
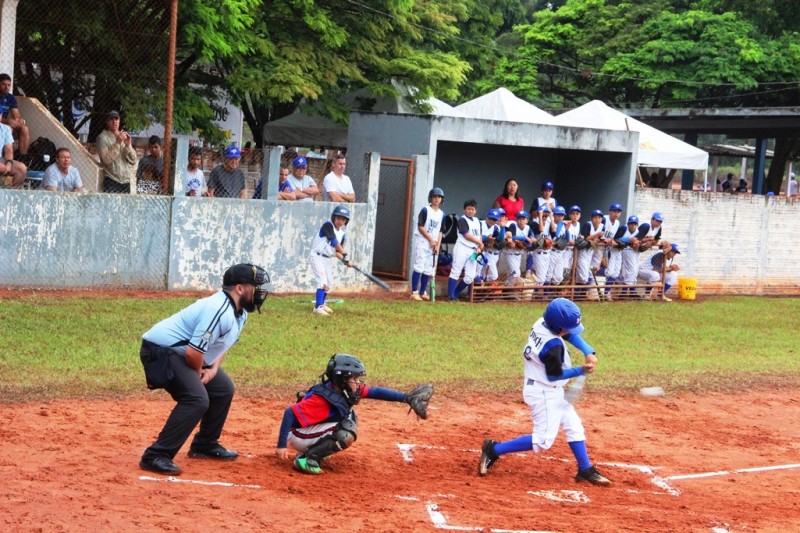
431 220
614 266
323 251
549 409
463 250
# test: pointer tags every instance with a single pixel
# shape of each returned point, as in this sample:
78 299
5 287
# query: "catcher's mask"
341 367
249 274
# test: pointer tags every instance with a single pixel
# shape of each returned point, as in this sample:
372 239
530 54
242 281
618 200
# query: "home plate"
575 496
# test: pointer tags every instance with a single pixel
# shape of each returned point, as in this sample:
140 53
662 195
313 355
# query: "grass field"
86 345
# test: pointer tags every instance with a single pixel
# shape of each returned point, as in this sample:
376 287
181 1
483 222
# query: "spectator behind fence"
194 179
305 188
285 189
511 202
148 183
13 172
62 176
154 157
116 155
227 180
11 117
727 186
337 187
792 185
742 185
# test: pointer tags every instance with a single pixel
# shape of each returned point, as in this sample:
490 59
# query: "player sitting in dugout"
323 421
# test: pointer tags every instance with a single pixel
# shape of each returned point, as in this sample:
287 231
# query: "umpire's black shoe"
160 465
216 452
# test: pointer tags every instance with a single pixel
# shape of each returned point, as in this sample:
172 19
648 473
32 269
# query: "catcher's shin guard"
341 439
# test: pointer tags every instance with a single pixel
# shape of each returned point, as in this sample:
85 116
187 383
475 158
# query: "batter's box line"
172 479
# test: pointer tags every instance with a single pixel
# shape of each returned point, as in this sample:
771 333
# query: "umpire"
183 354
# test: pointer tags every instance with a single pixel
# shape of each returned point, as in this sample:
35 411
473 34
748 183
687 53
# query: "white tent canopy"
656 148
503 105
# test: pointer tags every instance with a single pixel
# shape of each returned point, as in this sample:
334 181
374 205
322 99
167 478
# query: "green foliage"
86 346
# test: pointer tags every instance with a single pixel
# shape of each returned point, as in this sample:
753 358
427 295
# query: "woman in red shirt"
510 200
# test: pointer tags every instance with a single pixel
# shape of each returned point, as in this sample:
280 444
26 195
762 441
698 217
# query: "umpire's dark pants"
208 404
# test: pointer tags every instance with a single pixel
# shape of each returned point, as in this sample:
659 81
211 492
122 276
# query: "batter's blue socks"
451 288
320 298
415 281
424 280
666 287
581 455
520 444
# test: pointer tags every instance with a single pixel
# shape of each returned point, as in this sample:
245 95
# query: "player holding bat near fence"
328 244
547 369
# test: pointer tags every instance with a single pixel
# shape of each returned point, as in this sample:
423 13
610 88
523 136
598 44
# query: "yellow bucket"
687 288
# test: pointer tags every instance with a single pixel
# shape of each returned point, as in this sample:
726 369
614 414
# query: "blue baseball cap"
675 248
633 219
544 208
232 152
547 185
563 314
522 214
559 210
575 208
597 213
500 212
299 161
658 216
492 214
615 207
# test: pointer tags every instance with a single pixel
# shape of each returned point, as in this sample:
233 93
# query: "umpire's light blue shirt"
210 325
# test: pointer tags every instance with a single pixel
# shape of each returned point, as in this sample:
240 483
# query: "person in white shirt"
792 185
61 176
194 180
337 187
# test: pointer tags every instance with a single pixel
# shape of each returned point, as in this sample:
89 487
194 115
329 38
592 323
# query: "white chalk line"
439 521
737 471
172 479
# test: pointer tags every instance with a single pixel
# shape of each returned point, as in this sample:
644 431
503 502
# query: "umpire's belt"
534 382
323 255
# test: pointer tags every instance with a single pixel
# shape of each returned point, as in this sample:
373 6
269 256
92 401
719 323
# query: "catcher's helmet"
342 367
232 152
563 314
436 191
249 274
559 210
299 161
597 213
615 207
547 185
575 208
522 214
341 211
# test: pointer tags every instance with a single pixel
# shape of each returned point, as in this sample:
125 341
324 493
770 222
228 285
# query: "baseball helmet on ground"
436 191
547 185
615 207
559 210
342 367
299 162
341 211
562 313
233 152
575 208
249 274
522 214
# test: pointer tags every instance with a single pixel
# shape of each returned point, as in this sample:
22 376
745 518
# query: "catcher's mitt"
583 244
562 243
418 399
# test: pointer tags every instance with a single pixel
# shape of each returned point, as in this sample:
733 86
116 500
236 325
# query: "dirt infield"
690 463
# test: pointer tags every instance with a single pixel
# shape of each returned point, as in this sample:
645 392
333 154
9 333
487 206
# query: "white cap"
791 174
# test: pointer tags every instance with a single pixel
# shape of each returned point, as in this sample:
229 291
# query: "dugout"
473 158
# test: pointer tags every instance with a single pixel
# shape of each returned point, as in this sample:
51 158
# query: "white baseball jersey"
539 340
611 228
431 221
471 226
326 239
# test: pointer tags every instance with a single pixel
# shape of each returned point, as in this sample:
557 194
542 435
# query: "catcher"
323 421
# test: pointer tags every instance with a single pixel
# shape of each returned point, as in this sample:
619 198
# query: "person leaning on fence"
558 252
61 176
650 234
117 155
630 252
154 157
305 188
591 234
10 114
227 180
650 271
336 186
285 189
614 230
148 182
194 180
543 229
13 172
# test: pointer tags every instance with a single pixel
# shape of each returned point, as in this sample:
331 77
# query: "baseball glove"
583 244
540 241
562 243
499 245
418 399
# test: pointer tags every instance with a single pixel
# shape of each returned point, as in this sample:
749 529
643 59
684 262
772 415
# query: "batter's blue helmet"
559 210
232 152
575 208
547 185
299 161
436 191
597 213
633 219
522 214
563 314
658 216
615 207
341 211
492 214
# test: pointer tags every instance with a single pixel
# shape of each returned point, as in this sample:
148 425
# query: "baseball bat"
573 393
377 281
433 276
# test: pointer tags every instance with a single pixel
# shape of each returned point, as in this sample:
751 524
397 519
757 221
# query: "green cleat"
307 466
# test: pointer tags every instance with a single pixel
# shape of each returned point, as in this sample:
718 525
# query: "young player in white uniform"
613 230
650 234
427 241
555 272
573 232
542 255
468 245
630 254
490 234
650 271
545 199
591 231
328 244
548 368
522 237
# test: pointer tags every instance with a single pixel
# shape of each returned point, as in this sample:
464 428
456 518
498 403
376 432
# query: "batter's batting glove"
418 399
